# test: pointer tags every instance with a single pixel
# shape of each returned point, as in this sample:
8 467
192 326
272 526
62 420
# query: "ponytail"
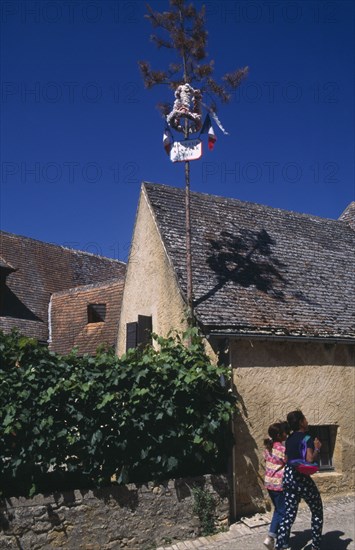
268 444
275 432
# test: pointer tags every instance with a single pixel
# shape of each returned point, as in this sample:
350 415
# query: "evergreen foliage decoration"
190 75
182 30
72 422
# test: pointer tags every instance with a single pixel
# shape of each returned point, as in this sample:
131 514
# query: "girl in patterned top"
298 485
274 456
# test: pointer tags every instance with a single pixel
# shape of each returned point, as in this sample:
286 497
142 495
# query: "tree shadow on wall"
245 259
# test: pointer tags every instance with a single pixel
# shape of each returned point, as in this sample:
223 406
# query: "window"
139 333
96 313
327 435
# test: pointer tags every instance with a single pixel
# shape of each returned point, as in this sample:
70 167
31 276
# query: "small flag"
206 125
211 138
208 129
167 140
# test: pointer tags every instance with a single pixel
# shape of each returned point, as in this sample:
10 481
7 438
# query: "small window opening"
96 313
327 435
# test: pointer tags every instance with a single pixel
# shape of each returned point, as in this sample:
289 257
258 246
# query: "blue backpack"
301 464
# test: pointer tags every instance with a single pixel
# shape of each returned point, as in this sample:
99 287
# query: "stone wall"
131 517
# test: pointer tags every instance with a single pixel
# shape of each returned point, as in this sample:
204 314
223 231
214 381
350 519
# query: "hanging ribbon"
216 119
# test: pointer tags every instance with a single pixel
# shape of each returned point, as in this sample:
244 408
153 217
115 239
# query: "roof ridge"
348 215
100 284
73 250
242 202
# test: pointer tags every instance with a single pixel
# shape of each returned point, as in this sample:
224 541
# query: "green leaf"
108 397
172 463
144 415
96 437
123 476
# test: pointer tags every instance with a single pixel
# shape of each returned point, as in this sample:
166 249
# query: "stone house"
274 296
61 297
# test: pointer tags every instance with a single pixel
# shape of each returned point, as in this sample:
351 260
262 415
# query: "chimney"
348 216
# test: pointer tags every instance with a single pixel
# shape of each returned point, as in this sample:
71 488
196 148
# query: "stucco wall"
272 379
133 517
150 287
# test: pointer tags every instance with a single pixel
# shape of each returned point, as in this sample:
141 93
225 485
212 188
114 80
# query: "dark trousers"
278 500
297 486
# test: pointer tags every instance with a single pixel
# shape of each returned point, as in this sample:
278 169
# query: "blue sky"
79 133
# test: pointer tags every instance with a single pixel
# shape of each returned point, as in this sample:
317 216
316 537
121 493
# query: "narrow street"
338 532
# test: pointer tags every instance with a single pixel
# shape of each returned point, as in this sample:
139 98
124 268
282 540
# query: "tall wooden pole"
187 210
188 243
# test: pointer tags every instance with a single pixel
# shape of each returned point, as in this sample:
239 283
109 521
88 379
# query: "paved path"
338 532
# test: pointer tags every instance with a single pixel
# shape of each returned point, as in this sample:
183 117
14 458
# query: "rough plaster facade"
273 378
151 286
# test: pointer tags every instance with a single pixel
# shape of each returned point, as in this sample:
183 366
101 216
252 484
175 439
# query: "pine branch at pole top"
185 35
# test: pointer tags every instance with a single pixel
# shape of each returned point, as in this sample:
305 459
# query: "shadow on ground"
301 540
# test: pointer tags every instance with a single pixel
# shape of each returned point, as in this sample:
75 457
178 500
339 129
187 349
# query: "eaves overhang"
281 337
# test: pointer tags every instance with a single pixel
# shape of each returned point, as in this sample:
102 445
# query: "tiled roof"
260 270
6 266
348 216
41 269
69 317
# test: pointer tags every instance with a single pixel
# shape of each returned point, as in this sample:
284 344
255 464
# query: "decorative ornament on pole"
186 150
184 33
185 96
167 140
186 117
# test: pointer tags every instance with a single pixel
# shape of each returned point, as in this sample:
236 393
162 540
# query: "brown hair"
285 427
275 431
294 419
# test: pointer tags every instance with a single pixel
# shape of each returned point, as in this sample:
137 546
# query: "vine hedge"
71 422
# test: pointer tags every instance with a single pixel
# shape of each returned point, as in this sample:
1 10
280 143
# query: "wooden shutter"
131 335
145 328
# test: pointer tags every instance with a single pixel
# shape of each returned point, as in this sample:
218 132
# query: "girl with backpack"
274 456
300 450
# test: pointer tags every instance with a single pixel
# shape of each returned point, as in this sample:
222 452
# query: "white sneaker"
269 542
